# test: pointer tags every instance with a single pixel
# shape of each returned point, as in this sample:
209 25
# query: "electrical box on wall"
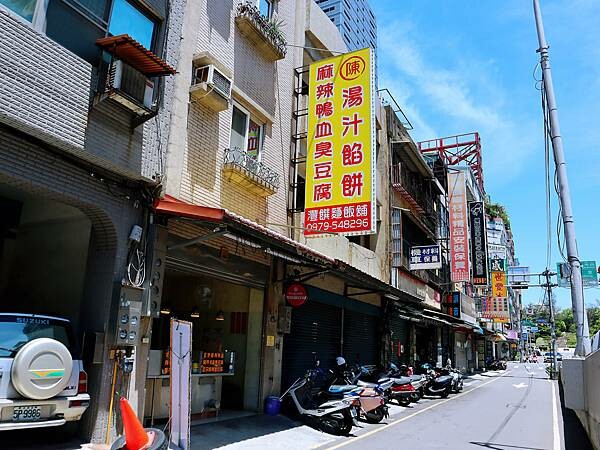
156 270
128 319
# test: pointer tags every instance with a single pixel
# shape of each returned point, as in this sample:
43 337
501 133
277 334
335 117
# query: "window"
265 7
127 19
31 10
247 134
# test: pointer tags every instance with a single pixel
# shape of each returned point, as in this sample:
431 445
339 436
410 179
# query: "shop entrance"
226 344
426 340
43 255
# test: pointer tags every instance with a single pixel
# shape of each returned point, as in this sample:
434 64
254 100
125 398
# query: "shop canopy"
274 243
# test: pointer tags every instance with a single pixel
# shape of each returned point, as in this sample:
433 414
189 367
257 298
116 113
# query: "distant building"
355 20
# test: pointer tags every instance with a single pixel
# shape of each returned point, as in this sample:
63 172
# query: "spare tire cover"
41 369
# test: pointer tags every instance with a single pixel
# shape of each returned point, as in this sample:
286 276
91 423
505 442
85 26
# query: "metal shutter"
316 328
400 335
360 338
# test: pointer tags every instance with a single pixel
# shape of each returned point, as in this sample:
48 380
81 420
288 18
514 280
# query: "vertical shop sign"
340 164
459 241
499 284
478 242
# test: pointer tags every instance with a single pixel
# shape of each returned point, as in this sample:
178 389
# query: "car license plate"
26 413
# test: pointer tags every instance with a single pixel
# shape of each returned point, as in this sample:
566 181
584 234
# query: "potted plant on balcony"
266 33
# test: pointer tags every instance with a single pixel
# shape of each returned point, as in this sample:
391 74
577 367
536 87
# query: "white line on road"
362 436
555 418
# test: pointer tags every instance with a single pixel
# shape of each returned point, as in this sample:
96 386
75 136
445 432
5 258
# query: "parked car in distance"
548 356
42 381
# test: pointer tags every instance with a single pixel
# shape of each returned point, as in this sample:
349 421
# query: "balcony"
245 171
414 190
263 32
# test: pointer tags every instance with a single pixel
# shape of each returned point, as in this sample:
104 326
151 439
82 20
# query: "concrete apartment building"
83 128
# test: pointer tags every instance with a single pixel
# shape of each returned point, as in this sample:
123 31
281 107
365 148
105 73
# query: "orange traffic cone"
135 436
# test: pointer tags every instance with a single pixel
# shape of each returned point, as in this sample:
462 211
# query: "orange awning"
136 55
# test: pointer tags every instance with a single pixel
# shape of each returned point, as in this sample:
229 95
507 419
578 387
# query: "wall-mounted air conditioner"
134 89
214 79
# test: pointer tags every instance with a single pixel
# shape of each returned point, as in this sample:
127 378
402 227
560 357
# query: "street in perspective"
299 224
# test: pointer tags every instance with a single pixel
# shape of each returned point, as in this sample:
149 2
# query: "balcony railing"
245 170
413 190
262 31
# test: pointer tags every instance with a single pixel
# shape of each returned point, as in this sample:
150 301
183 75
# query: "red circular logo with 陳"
296 295
352 68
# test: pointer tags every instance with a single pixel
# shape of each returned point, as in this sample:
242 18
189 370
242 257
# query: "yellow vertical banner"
499 284
340 163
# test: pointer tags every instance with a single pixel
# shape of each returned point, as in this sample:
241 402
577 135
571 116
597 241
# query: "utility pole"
583 333
549 287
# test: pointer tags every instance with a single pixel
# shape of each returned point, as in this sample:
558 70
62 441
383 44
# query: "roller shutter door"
316 328
361 337
400 336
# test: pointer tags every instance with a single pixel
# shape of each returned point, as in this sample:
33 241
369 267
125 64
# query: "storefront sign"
497 265
459 241
340 165
453 305
496 251
499 284
467 309
478 242
425 257
296 295
495 308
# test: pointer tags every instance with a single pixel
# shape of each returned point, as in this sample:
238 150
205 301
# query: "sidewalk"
257 432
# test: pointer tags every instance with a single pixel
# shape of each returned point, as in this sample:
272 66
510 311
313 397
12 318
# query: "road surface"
518 410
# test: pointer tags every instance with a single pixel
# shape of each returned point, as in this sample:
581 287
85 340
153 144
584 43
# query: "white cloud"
453 99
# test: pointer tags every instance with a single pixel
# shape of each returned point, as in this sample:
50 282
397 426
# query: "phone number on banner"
338 219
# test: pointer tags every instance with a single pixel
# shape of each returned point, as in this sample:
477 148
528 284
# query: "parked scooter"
334 416
363 376
371 405
417 381
437 382
495 364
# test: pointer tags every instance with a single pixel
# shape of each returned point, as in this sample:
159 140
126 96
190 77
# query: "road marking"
520 385
555 418
370 433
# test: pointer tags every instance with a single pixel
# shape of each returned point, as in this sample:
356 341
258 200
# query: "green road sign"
588 274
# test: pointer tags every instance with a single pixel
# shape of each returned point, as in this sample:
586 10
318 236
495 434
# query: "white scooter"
332 416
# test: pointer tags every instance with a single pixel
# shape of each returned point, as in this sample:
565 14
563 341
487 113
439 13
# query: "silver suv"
41 384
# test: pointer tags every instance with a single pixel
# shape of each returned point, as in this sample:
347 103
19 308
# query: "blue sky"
462 66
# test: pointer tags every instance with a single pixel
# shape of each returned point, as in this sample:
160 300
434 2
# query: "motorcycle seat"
341 388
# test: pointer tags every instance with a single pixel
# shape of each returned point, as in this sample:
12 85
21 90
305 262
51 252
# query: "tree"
594 319
566 316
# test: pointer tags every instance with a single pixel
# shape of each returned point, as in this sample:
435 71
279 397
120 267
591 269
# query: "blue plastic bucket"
272 405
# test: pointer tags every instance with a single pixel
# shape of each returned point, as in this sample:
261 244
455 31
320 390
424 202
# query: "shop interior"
226 322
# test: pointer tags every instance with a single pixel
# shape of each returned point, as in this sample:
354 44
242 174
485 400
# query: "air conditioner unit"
216 81
133 87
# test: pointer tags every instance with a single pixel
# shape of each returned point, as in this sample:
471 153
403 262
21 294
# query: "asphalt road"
517 410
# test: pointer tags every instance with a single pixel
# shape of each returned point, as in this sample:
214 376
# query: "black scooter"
437 383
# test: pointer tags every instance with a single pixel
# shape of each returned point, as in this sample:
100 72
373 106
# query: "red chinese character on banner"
322 149
323 130
323 170
352 67
324 90
353 122
352 184
324 109
352 154
325 72
353 96
322 192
